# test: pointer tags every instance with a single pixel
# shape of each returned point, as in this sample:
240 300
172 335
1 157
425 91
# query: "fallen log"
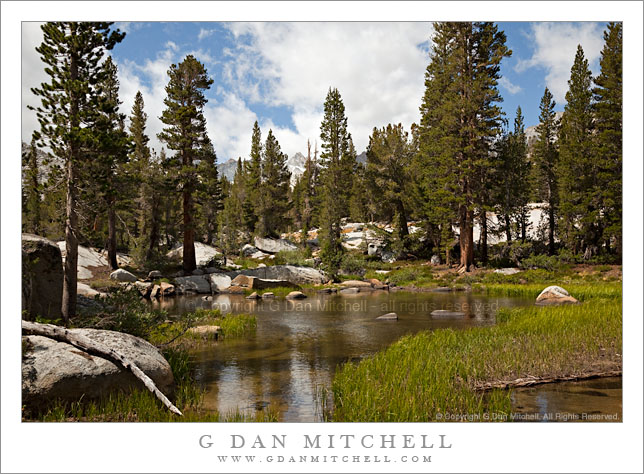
90 346
530 381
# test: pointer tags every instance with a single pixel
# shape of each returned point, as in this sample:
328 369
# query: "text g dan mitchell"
343 441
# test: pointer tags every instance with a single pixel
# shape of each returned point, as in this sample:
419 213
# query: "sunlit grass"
427 375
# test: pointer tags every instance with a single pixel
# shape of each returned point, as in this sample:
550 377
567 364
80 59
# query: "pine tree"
72 52
579 209
389 156
274 189
607 141
110 154
511 178
31 190
335 145
253 180
147 174
209 194
185 133
230 218
546 158
460 121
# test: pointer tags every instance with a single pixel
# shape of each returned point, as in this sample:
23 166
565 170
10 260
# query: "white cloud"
33 74
204 33
377 67
150 78
555 45
508 86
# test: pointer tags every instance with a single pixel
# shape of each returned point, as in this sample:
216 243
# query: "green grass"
432 373
301 257
232 326
140 406
579 289
278 291
103 284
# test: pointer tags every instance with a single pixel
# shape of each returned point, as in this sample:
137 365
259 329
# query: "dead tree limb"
61 334
530 381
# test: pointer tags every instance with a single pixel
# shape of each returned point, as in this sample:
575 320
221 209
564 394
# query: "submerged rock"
388 317
351 291
253 296
446 313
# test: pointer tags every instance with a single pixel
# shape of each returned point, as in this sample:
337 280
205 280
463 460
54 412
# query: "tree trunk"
466 238
508 231
101 350
154 228
551 230
483 239
111 236
68 306
189 261
524 224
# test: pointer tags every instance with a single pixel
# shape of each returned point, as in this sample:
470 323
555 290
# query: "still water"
298 344
597 400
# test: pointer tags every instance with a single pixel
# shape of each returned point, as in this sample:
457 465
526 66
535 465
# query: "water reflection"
298 344
586 400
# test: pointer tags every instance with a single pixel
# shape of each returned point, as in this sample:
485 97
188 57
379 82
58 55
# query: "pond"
598 400
298 344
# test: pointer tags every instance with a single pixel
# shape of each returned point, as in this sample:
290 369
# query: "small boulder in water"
388 317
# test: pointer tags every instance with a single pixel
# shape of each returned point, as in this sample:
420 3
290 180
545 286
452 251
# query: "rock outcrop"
52 369
42 277
274 245
203 253
295 295
291 273
88 258
193 284
219 282
123 275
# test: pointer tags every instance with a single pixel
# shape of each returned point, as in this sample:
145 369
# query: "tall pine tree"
389 156
209 193
72 52
460 120
579 209
110 154
607 107
253 180
546 159
185 132
274 189
334 161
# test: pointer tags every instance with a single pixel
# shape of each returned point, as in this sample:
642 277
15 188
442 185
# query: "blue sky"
279 73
